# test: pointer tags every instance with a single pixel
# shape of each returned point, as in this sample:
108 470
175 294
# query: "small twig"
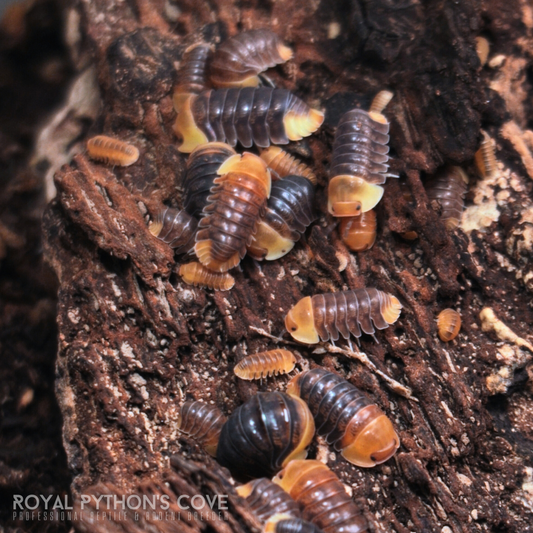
265 333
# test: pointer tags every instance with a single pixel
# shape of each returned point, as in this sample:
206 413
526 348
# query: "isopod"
203 423
448 187
359 164
482 49
266 499
283 523
199 276
202 167
322 497
289 212
346 417
485 157
265 364
324 316
248 115
237 201
112 151
359 233
448 324
282 164
175 227
264 434
192 78
238 61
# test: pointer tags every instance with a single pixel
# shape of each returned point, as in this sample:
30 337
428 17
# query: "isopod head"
350 196
300 322
185 126
273 245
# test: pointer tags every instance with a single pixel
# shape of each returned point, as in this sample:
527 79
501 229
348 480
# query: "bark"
135 341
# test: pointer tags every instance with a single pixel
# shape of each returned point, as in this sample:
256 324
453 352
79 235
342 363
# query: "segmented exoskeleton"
322 497
199 276
347 418
448 325
203 423
237 201
266 499
282 523
265 364
264 434
282 164
112 151
202 167
175 227
448 186
238 61
485 158
289 212
359 233
359 164
192 76
324 316
248 115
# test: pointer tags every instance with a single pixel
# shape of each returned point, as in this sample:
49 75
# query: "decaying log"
135 342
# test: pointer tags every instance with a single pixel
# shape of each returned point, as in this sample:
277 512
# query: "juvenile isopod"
324 316
112 151
203 423
264 434
199 276
289 212
202 167
282 164
237 201
346 417
175 227
482 49
238 61
359 164
265 364
322 497
266 499
284 523
448 187
248 115
485 157
359 233
448 324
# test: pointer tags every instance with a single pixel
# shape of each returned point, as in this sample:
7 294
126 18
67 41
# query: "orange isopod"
203 423
448 324
359 233
265 364
112 151
283 164
199 276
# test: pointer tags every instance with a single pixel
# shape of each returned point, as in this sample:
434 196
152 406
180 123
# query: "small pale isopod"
485 157
324 316
282 164
482 49
203 423
265 364
448 324
199 276
359 233
112 151
346 417
175 227
238 61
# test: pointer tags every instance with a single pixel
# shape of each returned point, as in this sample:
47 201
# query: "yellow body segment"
300 322
350 196
185 127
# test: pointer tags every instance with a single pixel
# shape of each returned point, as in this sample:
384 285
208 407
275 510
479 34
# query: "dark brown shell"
266 499
203 423
289 212
249 115
237 61
359 164
324 316
264 434
346 417
265 364
448 186
112 151
322 497
192 74
285 524
175 227
237 201
202 167
359 233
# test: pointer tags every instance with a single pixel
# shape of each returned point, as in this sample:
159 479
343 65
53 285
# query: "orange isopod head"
370 438
300 322
350 196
